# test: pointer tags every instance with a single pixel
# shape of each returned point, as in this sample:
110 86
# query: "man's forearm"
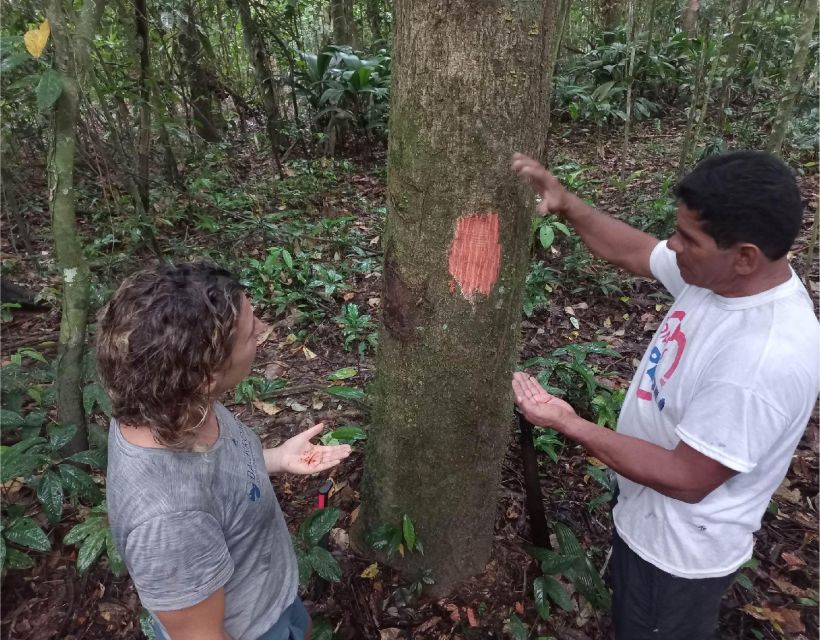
635 459
609 238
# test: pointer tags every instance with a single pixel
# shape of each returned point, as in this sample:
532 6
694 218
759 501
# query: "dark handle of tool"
322 502
532 483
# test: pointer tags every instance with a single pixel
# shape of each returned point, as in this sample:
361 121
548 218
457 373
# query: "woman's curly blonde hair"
160 340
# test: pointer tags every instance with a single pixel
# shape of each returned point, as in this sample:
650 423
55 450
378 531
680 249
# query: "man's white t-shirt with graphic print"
736 379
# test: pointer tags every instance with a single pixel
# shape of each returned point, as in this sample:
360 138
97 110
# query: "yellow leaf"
401 550
266 407
371 572
309 355
36 39
659 307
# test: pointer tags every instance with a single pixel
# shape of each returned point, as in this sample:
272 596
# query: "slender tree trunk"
264 79
143 47
456 244
374 18
794 83
611 13
563 18
344 28
689 19
198 80
686 146
630 34
71 49
814 236
732 48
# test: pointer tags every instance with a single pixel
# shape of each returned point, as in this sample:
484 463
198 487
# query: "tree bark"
71 49
374 19
344 29
143 48
470 86
198 80
689 19
785 109
264 78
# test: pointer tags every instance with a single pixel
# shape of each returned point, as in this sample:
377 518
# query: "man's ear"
748 258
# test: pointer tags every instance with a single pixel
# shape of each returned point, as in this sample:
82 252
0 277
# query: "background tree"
793 85
456 245
72 44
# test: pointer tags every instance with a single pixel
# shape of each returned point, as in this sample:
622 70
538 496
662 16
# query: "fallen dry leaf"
309 355
266 407
793 561
371 572
471 617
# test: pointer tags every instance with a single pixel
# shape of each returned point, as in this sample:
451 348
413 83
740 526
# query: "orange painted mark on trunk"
475 254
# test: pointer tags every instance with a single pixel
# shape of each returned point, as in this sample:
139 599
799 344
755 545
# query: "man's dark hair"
745 196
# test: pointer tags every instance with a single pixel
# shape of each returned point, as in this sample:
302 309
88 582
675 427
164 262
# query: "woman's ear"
748 259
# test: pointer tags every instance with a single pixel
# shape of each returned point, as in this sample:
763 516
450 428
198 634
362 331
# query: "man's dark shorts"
650 604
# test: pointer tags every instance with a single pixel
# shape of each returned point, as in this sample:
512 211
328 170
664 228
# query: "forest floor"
233 211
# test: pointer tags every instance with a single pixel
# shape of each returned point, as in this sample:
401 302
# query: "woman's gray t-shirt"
188 523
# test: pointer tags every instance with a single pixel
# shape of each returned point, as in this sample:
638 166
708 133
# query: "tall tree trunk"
264 78
198 81
732 48
611 13
631 46
143 47
688 142
374 18
785 109
71 50
344 28
689 19
456 243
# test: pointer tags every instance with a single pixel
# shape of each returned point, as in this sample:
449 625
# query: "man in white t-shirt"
720 399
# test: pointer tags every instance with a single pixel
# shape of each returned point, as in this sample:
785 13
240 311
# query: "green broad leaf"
22 458
348 393
34 420
546 235
13 61
322 629
344 435
589 583
147 625
542 605
317 524
395 541
409 532
10 44
49 89
517 628
557 593
18 560
287 258
304 566
567 541
343 374
743 580
807 602
95 395
115 561
379 538
84 529
10 419
50 495
90 550
324 564
80 483
562 228
60 435
27 533
97 458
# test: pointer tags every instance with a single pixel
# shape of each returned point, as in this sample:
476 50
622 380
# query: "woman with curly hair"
191 509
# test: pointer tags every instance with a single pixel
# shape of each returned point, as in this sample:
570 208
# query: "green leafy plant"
255 388
567 373
357 329
573 563
548 441
93 536
540 282
311 556
407 595
606 480
392 538
343 435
